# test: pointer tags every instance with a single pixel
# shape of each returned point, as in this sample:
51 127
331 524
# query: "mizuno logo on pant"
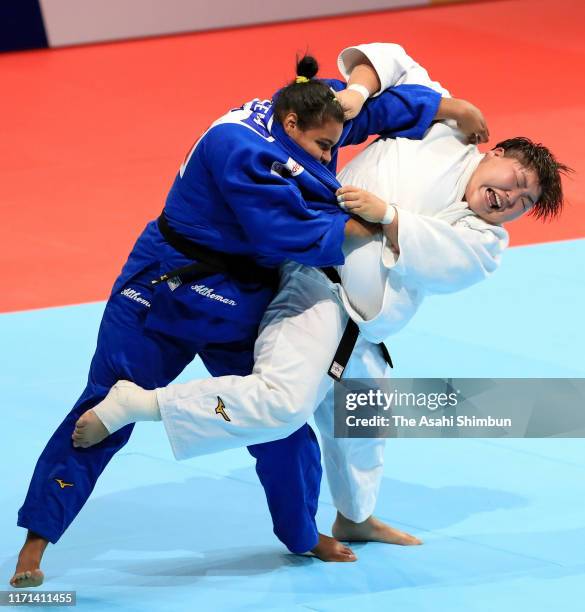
63 484
220 409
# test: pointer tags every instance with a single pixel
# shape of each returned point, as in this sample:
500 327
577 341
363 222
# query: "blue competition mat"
503 521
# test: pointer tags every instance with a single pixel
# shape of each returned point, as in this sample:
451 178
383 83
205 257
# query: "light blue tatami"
503 521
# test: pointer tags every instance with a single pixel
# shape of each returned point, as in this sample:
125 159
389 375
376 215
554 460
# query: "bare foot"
329 549
89 430
28 573
371 530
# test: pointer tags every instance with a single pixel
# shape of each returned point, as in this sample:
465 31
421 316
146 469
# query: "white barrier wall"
69 22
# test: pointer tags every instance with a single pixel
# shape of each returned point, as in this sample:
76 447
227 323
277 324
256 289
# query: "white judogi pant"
300 334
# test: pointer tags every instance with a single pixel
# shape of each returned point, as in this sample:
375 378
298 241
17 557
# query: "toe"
27 579
408 540
348 552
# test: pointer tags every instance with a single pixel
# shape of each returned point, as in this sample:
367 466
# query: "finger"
348 189
351 196
476 138
355 207
341 202
350 206
344 198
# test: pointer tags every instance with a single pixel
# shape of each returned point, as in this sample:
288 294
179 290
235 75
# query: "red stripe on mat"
92 136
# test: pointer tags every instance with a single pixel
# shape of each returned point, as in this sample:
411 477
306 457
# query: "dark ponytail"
307 66
311 99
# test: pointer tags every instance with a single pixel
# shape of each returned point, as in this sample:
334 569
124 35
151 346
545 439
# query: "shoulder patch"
288 169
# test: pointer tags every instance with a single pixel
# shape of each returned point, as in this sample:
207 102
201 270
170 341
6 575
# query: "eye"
324 146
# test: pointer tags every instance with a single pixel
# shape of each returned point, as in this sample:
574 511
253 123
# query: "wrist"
388 215
361 89
364 74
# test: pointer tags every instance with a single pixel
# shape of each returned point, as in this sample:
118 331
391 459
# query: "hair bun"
307 66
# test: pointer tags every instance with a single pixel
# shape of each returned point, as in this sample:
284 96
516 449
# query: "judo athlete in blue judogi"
251 194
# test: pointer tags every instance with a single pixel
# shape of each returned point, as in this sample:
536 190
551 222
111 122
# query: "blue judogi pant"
289 469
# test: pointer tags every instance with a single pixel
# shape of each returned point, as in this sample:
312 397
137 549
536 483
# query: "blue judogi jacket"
246 188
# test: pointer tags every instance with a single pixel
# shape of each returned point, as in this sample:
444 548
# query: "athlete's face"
316 141
501 189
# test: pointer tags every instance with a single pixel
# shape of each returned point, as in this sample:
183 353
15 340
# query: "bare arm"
357 233
469 118
359 228
352 100
366 76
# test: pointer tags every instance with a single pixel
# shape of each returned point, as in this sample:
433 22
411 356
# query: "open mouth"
494 200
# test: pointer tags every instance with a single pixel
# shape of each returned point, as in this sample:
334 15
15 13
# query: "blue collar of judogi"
316 169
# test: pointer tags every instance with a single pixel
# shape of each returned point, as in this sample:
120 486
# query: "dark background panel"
21 25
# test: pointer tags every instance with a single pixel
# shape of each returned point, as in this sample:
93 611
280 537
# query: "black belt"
349 338
208 261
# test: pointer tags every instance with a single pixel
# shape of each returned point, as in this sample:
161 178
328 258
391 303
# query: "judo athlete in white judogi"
442 204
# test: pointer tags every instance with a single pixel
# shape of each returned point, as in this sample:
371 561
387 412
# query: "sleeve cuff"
389 257
351 57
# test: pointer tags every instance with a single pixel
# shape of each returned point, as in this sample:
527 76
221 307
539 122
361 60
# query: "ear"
497 152
290 122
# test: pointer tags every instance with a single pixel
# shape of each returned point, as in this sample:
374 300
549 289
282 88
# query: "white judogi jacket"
444 246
